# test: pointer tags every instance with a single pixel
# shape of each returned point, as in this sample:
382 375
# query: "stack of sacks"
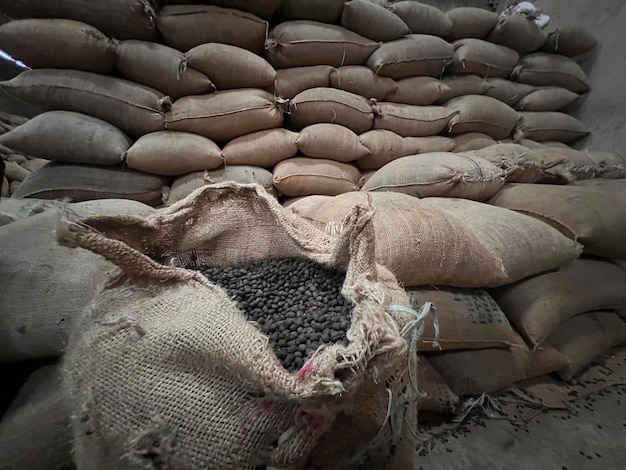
14 166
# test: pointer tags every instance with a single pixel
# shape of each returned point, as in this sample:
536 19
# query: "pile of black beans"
296 303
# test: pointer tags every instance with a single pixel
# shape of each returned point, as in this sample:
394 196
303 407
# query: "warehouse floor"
591 434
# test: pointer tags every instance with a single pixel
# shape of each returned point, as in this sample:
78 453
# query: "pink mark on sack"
304 371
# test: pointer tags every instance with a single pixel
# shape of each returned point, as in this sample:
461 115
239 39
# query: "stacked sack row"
207 108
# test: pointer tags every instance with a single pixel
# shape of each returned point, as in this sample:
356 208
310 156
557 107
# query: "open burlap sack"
165 370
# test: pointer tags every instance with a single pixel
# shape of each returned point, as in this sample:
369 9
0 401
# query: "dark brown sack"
58 44
542 126
373 21
439 398
570 41
263 148
325 11
543 69
475 113
160 67
290 82
362 80
419 91
482 58
422 18
518 33
470 22
547 98
187 26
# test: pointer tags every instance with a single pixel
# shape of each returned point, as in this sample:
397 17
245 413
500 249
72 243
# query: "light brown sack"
6 192
595 217
225 115
547 98
537 305
300 43
43 286
230 66
78 183
241 174
262 148
361 80
232 356
478 371
332 142
12 210
475 113
416 54
58 44
308 176
541 126
433 143
470 22
507 91
120 19
586 164
319 105
64 136
133 108
35 432
187 26
466 319
384 146
585 338
420 91
373 21
477 241
412 121
439 174
543 69
570 41
471 141
461 85
290 82
482 58
422 18
160 67
518 33
326 11
439 398
14 172
173 153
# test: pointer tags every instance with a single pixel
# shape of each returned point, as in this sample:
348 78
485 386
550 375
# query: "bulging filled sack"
290 82
263 148
420 91
475 113
470 22
439 174
422 18
537 305
543 69
361 80
332 142
65 136
133 108
263 8
546 99
461 85
325 11
384 146
482 58
507 91
373 21
553 126
471 141
518 33
570 41
244 377
302 176
412 121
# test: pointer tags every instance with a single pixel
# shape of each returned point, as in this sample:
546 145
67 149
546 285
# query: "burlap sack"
133 108
412 121
610 165
302 176
14 172
433 143
470 22
478 371
384 146
439 398
35 432
471 141
262 148
64 136
6 192
461 85
120 19
242 174
543 69
439 174
541 126
171 153
482 245
373 21
570 41
587 337
160 67
422 18
466 319
43 286
546 99
301 43
319 105
187 26
12 210
420 91
482 58
518 33
58 44
262 8
225 115
507 91
414 55
536 306
332 142
475 113
361 80
77 183
594 217
231 67
290 82
326 11
241 408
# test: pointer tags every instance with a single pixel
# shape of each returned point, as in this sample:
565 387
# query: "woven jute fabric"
163 369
